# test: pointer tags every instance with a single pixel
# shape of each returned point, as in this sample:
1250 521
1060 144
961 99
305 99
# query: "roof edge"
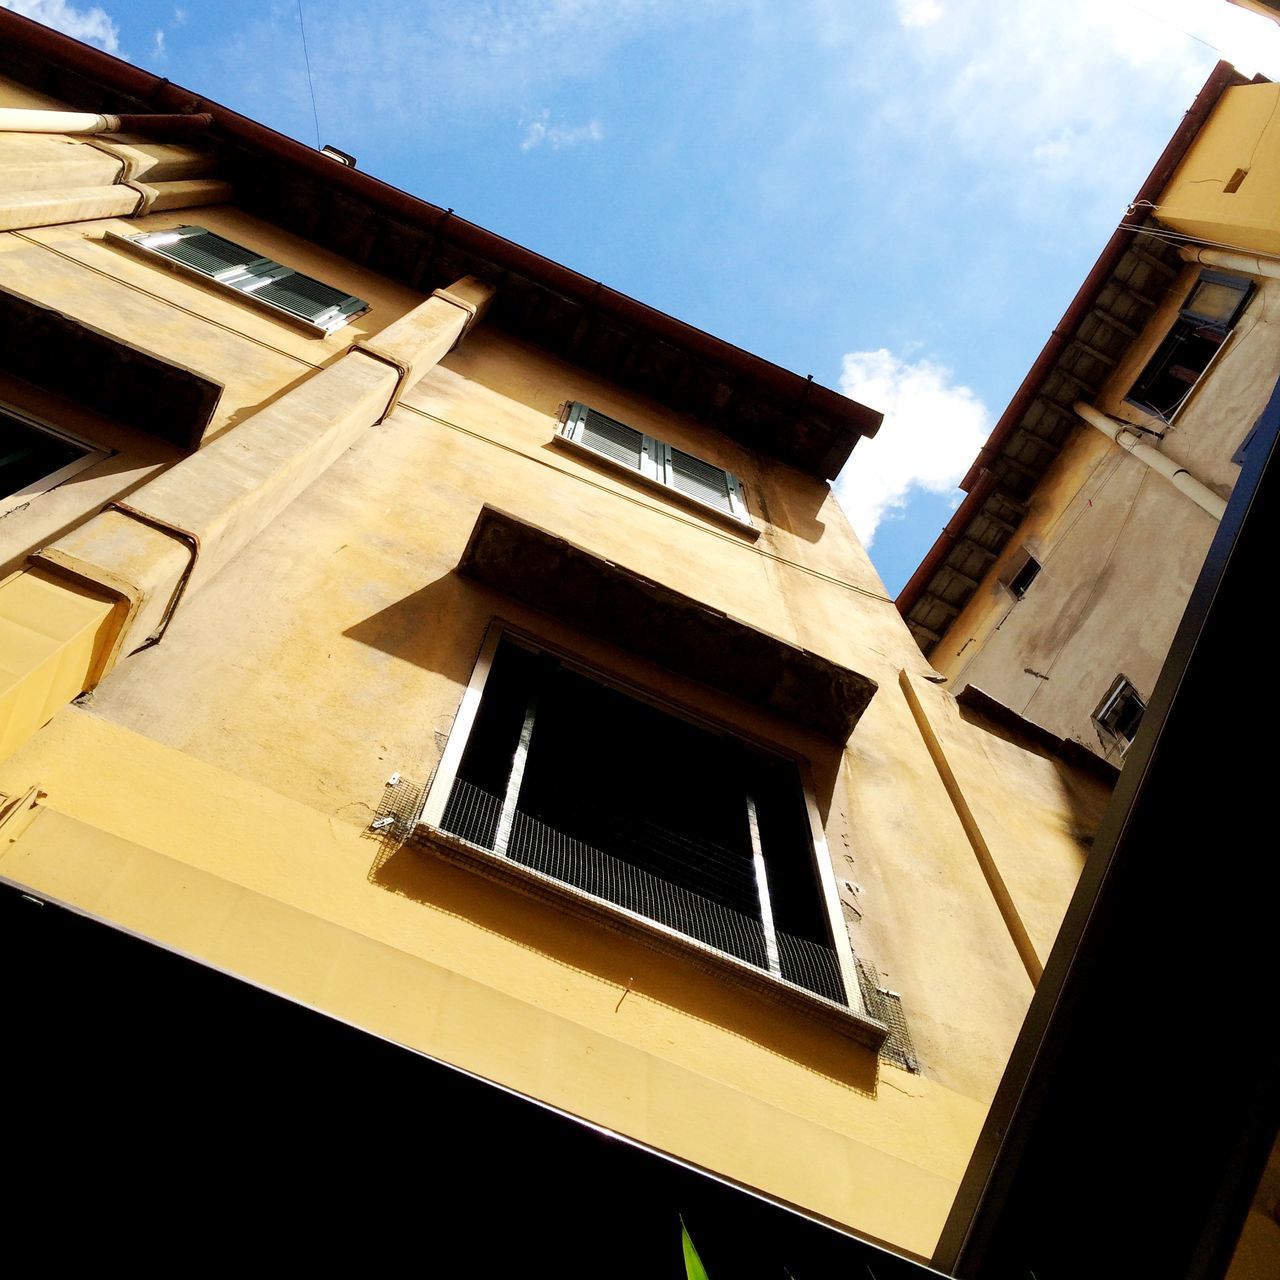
796 392
1223 77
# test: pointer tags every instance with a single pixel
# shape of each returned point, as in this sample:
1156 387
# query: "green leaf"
693 1268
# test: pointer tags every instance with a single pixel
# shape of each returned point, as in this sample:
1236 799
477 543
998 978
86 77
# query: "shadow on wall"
12 524
441 628
628 967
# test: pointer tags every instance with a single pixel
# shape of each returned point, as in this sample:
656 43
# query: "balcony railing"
474 815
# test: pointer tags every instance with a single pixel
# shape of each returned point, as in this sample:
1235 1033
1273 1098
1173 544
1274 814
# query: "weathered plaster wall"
1119 547
215 791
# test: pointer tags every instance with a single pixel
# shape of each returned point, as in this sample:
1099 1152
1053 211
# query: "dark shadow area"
1088 1165
1087 780
103 373
612 603
159 1109
425 628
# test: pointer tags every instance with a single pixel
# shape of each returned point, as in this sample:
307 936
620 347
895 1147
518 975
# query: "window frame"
656 468
440 787
244 280
1188 321
1118 688
93 454
1013 583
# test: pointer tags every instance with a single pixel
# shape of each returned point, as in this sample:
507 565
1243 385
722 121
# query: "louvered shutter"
615 440
706 484
209 254
700 480
268 281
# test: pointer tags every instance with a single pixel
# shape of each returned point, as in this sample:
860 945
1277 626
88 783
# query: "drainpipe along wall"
111 585
1129 440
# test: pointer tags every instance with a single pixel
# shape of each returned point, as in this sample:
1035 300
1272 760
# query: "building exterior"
407 627
1058 589
1059 585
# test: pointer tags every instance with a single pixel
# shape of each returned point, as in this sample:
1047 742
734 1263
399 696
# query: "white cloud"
179 17
541 130
918 13
932 431
157 44
93 26
1043 91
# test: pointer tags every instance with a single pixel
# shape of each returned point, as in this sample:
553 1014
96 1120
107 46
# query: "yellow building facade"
313 575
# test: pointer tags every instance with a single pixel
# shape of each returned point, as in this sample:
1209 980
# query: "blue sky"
897 196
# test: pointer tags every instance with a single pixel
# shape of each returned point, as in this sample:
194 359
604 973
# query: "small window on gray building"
269 283
1204 323
35 458
1120 713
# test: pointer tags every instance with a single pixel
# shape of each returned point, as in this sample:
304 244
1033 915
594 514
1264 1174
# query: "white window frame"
92 455
242 280
1119 687
656 467
1186 315
441 787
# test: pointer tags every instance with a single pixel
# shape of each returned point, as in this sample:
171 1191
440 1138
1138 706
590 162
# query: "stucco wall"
214 792
1119 547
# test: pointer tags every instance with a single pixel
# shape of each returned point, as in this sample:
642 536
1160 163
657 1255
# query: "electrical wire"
315 115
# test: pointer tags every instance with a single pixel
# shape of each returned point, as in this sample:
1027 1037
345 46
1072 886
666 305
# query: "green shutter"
269 282
707 485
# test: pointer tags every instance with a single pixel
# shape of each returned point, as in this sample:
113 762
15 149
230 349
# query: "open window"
1025 571
1204 323
693 480
198 252
1119 714
633 804
35 458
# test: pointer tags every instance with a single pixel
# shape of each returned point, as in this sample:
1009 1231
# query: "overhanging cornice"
684 635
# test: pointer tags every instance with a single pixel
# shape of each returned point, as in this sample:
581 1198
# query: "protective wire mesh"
473 815
886 1006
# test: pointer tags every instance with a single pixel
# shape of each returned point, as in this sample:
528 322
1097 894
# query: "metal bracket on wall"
190 540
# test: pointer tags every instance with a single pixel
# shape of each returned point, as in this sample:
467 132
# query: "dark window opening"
1120 712
1025 576
677 822
658 462
34 457
1202 326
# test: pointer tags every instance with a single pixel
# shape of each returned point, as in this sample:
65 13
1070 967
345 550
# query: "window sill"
848 1022
696 505
226 290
